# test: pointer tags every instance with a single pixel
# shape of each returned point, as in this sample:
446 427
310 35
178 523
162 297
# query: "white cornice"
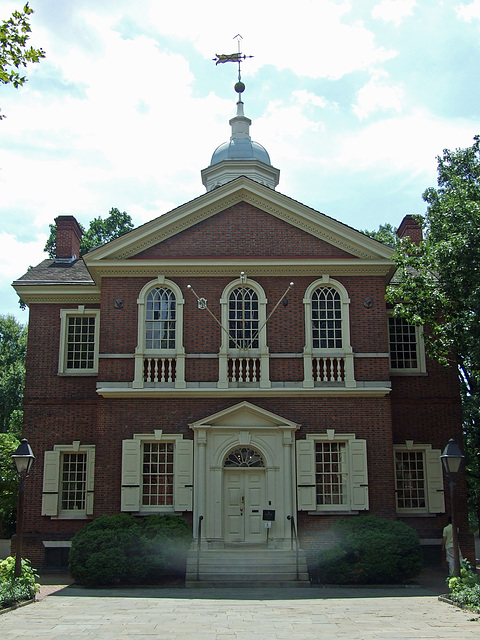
58 294
329 392
240 190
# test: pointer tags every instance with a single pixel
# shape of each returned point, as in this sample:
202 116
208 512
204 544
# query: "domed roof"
240 149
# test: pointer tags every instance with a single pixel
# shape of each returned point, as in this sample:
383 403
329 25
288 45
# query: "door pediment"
244 415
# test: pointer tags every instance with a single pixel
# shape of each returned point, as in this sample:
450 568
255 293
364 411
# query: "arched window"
328 355
160 356
243 356
243 319
160 319
326 319
244 457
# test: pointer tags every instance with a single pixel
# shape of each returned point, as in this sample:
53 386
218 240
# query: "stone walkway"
75 613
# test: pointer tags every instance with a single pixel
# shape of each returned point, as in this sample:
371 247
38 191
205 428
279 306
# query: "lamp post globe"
23 459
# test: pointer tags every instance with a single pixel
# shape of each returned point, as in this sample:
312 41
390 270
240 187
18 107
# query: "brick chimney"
68 238
410 227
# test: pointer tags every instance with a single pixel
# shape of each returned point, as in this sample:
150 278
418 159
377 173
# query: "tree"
439 285
14 54
13 350
385 233
8 485
99 232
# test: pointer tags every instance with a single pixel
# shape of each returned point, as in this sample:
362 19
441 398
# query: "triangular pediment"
213 227
244 415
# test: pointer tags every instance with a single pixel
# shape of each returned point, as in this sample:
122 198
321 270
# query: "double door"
244 502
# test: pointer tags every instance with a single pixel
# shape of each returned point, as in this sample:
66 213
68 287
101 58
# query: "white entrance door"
244 501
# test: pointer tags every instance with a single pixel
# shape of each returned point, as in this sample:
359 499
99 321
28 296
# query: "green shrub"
122 549
465 590
370 550
13 590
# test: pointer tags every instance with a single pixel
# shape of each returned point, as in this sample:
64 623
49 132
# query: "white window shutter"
131 464
436 497
358 474
51 472
306 493
90 481
183 475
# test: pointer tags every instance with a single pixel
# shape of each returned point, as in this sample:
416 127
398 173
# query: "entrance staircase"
246 567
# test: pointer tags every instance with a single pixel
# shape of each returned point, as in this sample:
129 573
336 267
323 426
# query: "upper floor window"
160 319
243 317
326 318
418 479
160 355
407 354
328 354
79 336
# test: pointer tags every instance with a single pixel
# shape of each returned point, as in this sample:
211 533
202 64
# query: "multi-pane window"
80 342
330 478
326 318
410 481
160 319
73 483
157 474
243 319
403 344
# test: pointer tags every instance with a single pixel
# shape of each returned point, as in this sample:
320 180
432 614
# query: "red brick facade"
61 409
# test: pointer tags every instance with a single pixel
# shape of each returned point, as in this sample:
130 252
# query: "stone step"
246 567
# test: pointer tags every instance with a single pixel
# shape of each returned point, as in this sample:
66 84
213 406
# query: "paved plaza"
75 613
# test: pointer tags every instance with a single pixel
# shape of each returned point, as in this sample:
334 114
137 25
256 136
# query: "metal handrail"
199 541
293 536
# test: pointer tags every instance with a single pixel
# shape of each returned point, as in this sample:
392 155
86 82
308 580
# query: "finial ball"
239 87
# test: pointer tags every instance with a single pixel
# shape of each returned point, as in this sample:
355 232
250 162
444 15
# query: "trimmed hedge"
121 549
370 550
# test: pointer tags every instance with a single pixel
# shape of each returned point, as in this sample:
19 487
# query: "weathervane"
203 306
234 57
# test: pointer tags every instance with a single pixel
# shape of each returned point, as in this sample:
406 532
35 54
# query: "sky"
353 100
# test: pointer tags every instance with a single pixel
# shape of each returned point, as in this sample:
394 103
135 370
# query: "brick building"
177 370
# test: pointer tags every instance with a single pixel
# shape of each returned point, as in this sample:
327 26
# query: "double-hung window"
79 337
332 473
407 353
157 472
68 481
418 479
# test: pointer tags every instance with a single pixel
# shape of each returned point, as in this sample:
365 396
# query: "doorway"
244 501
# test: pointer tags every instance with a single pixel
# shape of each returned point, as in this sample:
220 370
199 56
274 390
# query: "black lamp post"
452 459
23 458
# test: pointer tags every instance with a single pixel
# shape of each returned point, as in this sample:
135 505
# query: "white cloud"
304 97
394 10
378 95
469 12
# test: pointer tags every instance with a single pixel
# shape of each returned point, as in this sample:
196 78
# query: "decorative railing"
244 369
328 369
159 369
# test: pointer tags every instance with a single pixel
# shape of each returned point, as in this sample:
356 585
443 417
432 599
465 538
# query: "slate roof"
51 272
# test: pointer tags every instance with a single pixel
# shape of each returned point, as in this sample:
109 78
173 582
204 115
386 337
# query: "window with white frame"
160 355
328 354
157 473
326 318
243 318
79 337
407 353
68 481
243 356
160 319
332 473
418 479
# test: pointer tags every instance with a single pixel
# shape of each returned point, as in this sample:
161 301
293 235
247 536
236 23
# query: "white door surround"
222 494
